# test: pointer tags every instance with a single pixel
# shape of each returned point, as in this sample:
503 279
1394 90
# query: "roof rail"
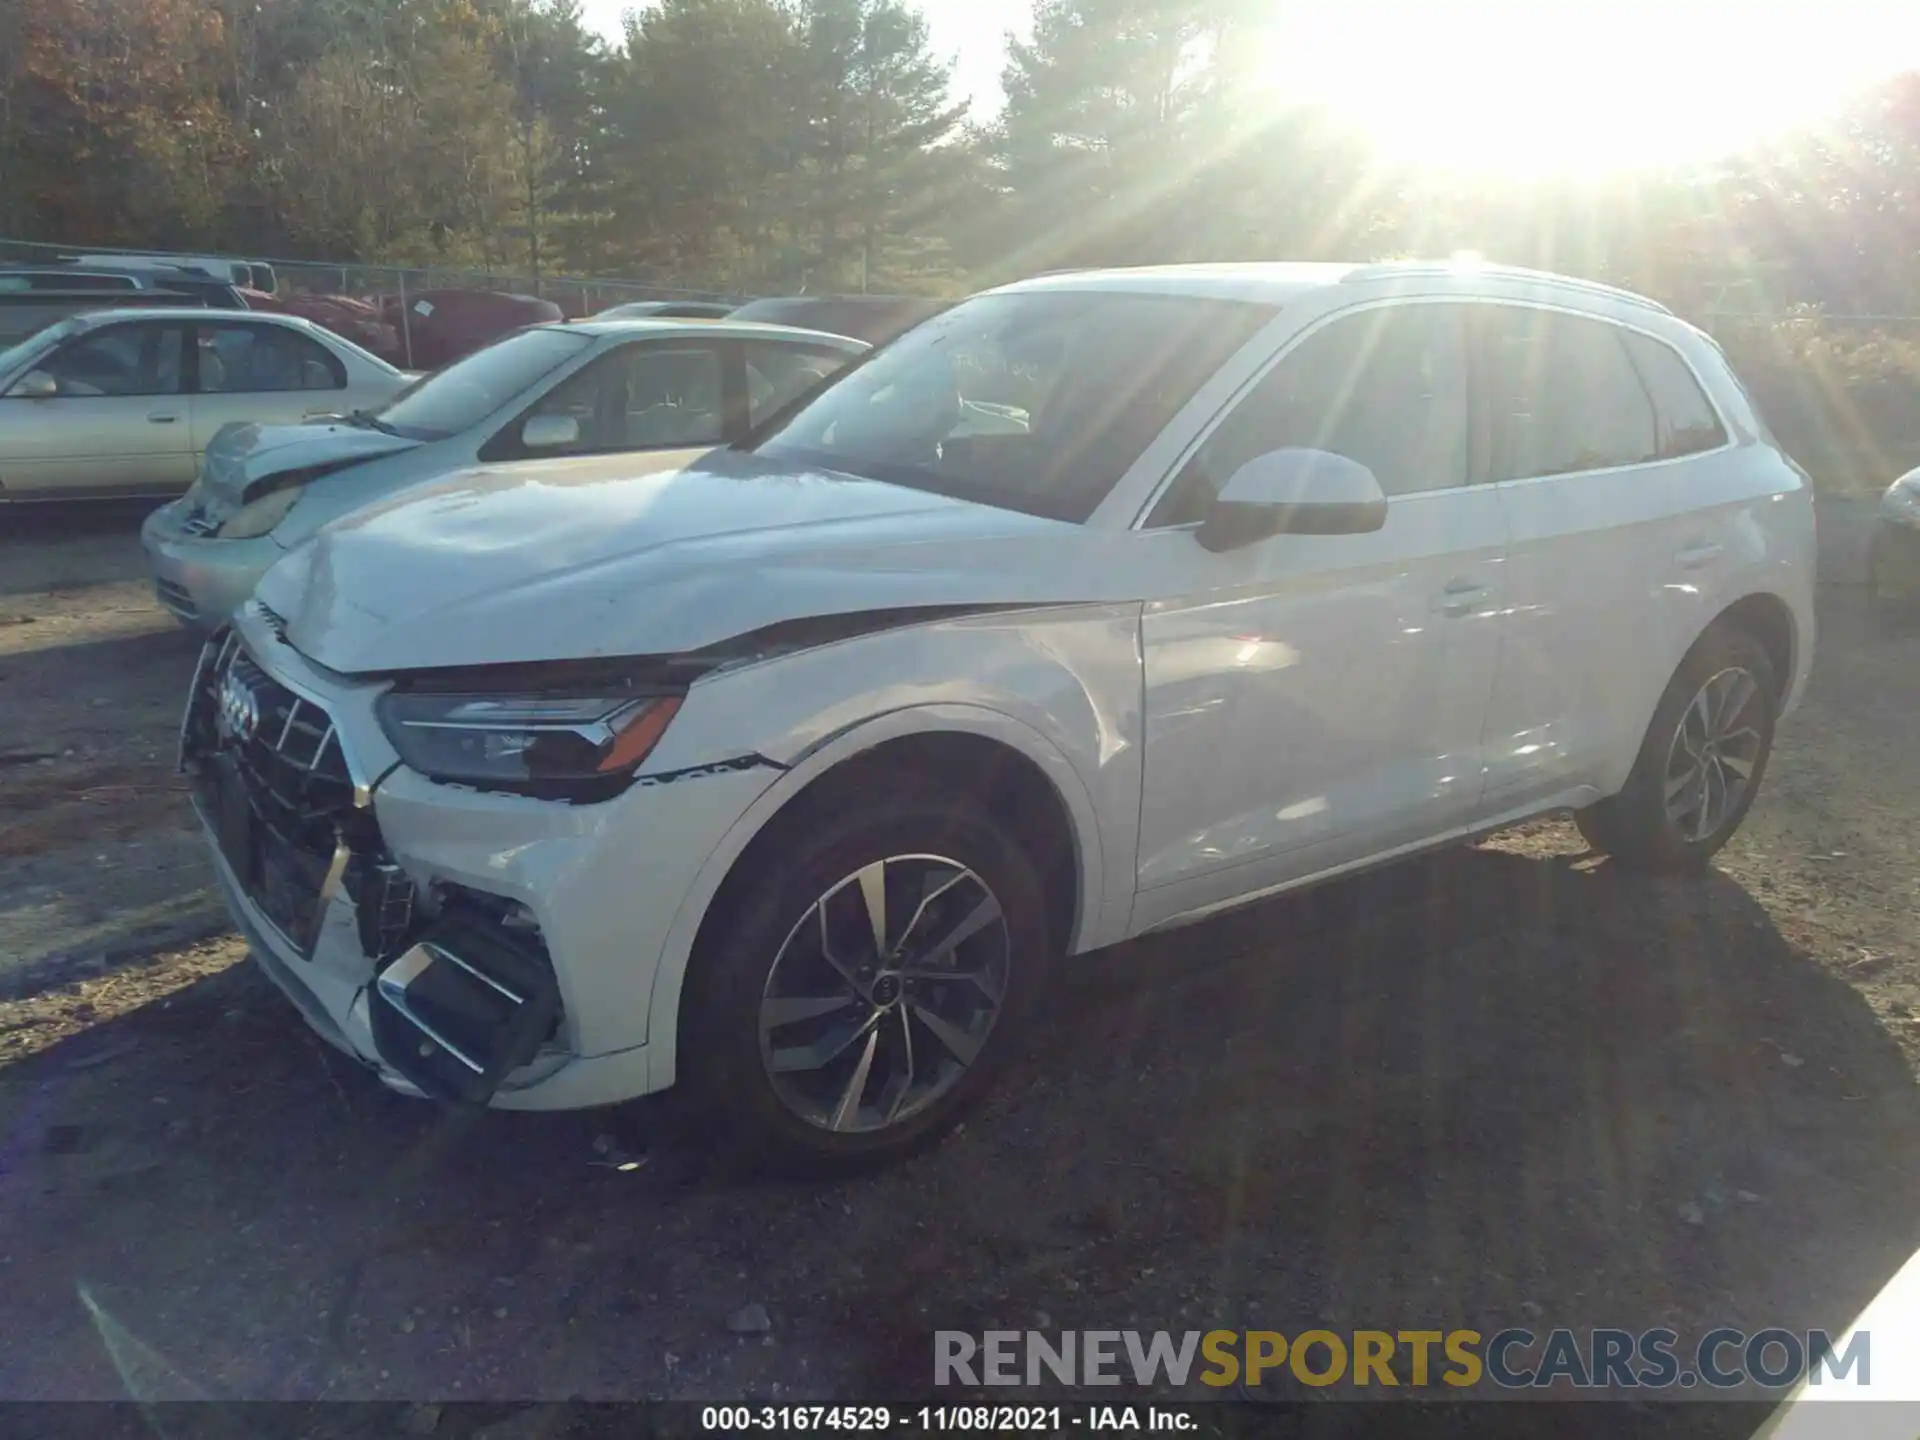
1414 268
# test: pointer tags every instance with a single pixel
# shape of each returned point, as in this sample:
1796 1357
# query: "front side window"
39 342
467 391
263 359
1036 400
120 360
643 397
1387 387
1685 417
1563 395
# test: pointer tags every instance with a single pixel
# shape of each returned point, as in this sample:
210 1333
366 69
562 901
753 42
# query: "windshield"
1036 401
467 391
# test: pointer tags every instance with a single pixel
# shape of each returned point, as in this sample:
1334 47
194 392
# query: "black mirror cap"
1230 525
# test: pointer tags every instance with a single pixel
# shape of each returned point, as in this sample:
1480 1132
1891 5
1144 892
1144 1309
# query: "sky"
1524 86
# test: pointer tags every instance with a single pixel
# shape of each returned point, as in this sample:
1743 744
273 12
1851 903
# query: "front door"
117 425
1313 700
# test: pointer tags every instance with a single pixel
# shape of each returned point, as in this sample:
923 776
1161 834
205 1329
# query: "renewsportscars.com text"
1512 1359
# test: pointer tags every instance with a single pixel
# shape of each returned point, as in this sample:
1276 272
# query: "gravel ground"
1501 1084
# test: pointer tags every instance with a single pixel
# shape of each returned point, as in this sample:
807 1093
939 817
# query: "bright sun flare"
1575 87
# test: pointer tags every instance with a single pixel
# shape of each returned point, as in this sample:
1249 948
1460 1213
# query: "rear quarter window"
1686 421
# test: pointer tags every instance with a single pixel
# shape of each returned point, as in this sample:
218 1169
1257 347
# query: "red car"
443 325
356 320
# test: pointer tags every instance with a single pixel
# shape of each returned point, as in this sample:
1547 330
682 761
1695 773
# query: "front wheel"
1700 764
871 978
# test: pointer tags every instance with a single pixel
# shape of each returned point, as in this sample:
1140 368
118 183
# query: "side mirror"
36 385
550 432
1294 492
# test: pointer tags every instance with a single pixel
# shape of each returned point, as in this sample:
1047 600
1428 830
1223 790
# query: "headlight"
1901 503
257 517
583 747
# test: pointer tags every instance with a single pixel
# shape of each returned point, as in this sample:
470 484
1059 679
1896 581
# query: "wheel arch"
1769 620
1058 811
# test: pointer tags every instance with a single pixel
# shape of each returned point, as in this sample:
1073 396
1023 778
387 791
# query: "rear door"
1313 700
1614 541
257 373
117 426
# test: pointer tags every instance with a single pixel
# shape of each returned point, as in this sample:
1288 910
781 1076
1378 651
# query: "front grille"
306 836
176 599
293 761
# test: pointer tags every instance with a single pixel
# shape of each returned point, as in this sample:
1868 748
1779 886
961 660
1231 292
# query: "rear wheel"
1700 764
871 978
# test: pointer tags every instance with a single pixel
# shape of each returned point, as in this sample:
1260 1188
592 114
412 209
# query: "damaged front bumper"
468 947
202 579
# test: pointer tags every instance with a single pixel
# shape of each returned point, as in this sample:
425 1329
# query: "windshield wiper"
367 420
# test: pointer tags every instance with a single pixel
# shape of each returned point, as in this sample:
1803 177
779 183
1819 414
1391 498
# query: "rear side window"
777 375
1563 395
1684 416
263 359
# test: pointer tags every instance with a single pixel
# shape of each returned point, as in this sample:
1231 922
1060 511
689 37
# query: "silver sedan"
125 402
548 392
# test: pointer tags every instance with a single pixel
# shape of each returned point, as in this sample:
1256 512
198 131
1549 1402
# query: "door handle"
1461 597
1692 557
161 417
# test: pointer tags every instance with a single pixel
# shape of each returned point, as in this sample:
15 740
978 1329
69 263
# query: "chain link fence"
379 306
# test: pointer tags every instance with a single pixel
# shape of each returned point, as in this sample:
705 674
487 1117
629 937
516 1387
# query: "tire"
797 930
1638 827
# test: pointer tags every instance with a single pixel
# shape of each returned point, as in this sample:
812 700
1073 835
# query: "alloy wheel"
884 993
1714 753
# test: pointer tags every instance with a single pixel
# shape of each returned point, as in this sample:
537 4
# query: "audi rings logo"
236 708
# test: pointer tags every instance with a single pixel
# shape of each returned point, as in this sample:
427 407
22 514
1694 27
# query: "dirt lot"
1483 1089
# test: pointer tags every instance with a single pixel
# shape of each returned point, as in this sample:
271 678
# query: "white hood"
606 556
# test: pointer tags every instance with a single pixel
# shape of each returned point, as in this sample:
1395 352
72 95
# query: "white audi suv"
1093 605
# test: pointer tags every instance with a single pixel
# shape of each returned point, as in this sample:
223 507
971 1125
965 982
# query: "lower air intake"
463 1008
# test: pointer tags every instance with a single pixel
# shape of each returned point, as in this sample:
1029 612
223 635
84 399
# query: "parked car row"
125 402
673 703
547 393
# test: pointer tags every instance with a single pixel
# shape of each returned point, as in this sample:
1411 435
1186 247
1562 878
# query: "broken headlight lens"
257 517
567 747
1901 503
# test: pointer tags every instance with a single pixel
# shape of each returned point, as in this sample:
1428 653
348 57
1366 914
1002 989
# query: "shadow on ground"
1476 1091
